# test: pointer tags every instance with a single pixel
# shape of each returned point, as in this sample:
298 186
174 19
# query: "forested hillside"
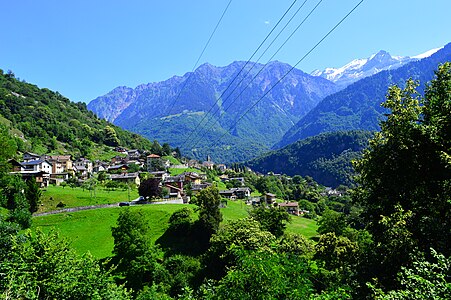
49 122
325 157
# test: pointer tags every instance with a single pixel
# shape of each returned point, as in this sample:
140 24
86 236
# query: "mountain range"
363 67
358 105
171 111
203 112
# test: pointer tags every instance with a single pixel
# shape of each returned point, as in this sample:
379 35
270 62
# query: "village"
130 167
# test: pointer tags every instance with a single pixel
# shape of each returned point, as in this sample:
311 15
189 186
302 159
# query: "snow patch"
427 53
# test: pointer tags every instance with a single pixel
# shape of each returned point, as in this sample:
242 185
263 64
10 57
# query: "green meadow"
74 197
90 230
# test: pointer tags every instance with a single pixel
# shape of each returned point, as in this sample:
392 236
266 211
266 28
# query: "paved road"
73 209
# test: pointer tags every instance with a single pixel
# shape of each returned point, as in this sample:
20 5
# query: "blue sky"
84 49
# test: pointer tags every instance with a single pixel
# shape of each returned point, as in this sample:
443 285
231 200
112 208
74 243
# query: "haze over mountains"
301 105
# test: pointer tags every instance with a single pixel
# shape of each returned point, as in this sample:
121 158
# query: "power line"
244 77
261 69
236 76
195 65
289 71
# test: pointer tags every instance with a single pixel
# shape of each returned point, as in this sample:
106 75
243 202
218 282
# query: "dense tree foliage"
326 157
405 178
41 266
273 219
46 118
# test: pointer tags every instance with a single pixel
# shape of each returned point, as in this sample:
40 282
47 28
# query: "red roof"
153 156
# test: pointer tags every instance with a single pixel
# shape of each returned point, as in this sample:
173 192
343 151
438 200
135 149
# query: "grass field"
177 171
90 230
172 160
74 197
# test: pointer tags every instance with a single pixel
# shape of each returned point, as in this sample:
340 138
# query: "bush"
61 205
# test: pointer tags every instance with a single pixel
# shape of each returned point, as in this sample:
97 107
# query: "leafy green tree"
291 243
156 148
130 236
166 149
33 195
335 251
209 214
8 149
182 271
180 221
265 276
424 280
19 208
245 234
273 219
7 232
135 256
405 176
407 171
45 267
110 136
332 221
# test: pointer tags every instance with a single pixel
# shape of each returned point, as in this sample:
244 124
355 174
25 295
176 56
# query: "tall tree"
33 195
134 254
209 214
405 177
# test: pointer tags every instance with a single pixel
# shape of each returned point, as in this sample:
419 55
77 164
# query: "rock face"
171 110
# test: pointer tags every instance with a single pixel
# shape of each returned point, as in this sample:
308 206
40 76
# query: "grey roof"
124 176
34 162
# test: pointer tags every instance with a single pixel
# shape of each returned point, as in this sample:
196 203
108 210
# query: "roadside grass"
221 185
73 197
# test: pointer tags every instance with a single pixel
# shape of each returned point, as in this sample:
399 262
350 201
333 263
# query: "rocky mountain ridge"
170 111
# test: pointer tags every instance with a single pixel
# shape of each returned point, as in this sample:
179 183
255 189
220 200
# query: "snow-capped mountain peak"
364 67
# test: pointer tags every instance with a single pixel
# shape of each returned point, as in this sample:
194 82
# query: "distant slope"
358 106
52 123
152 106
325 157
